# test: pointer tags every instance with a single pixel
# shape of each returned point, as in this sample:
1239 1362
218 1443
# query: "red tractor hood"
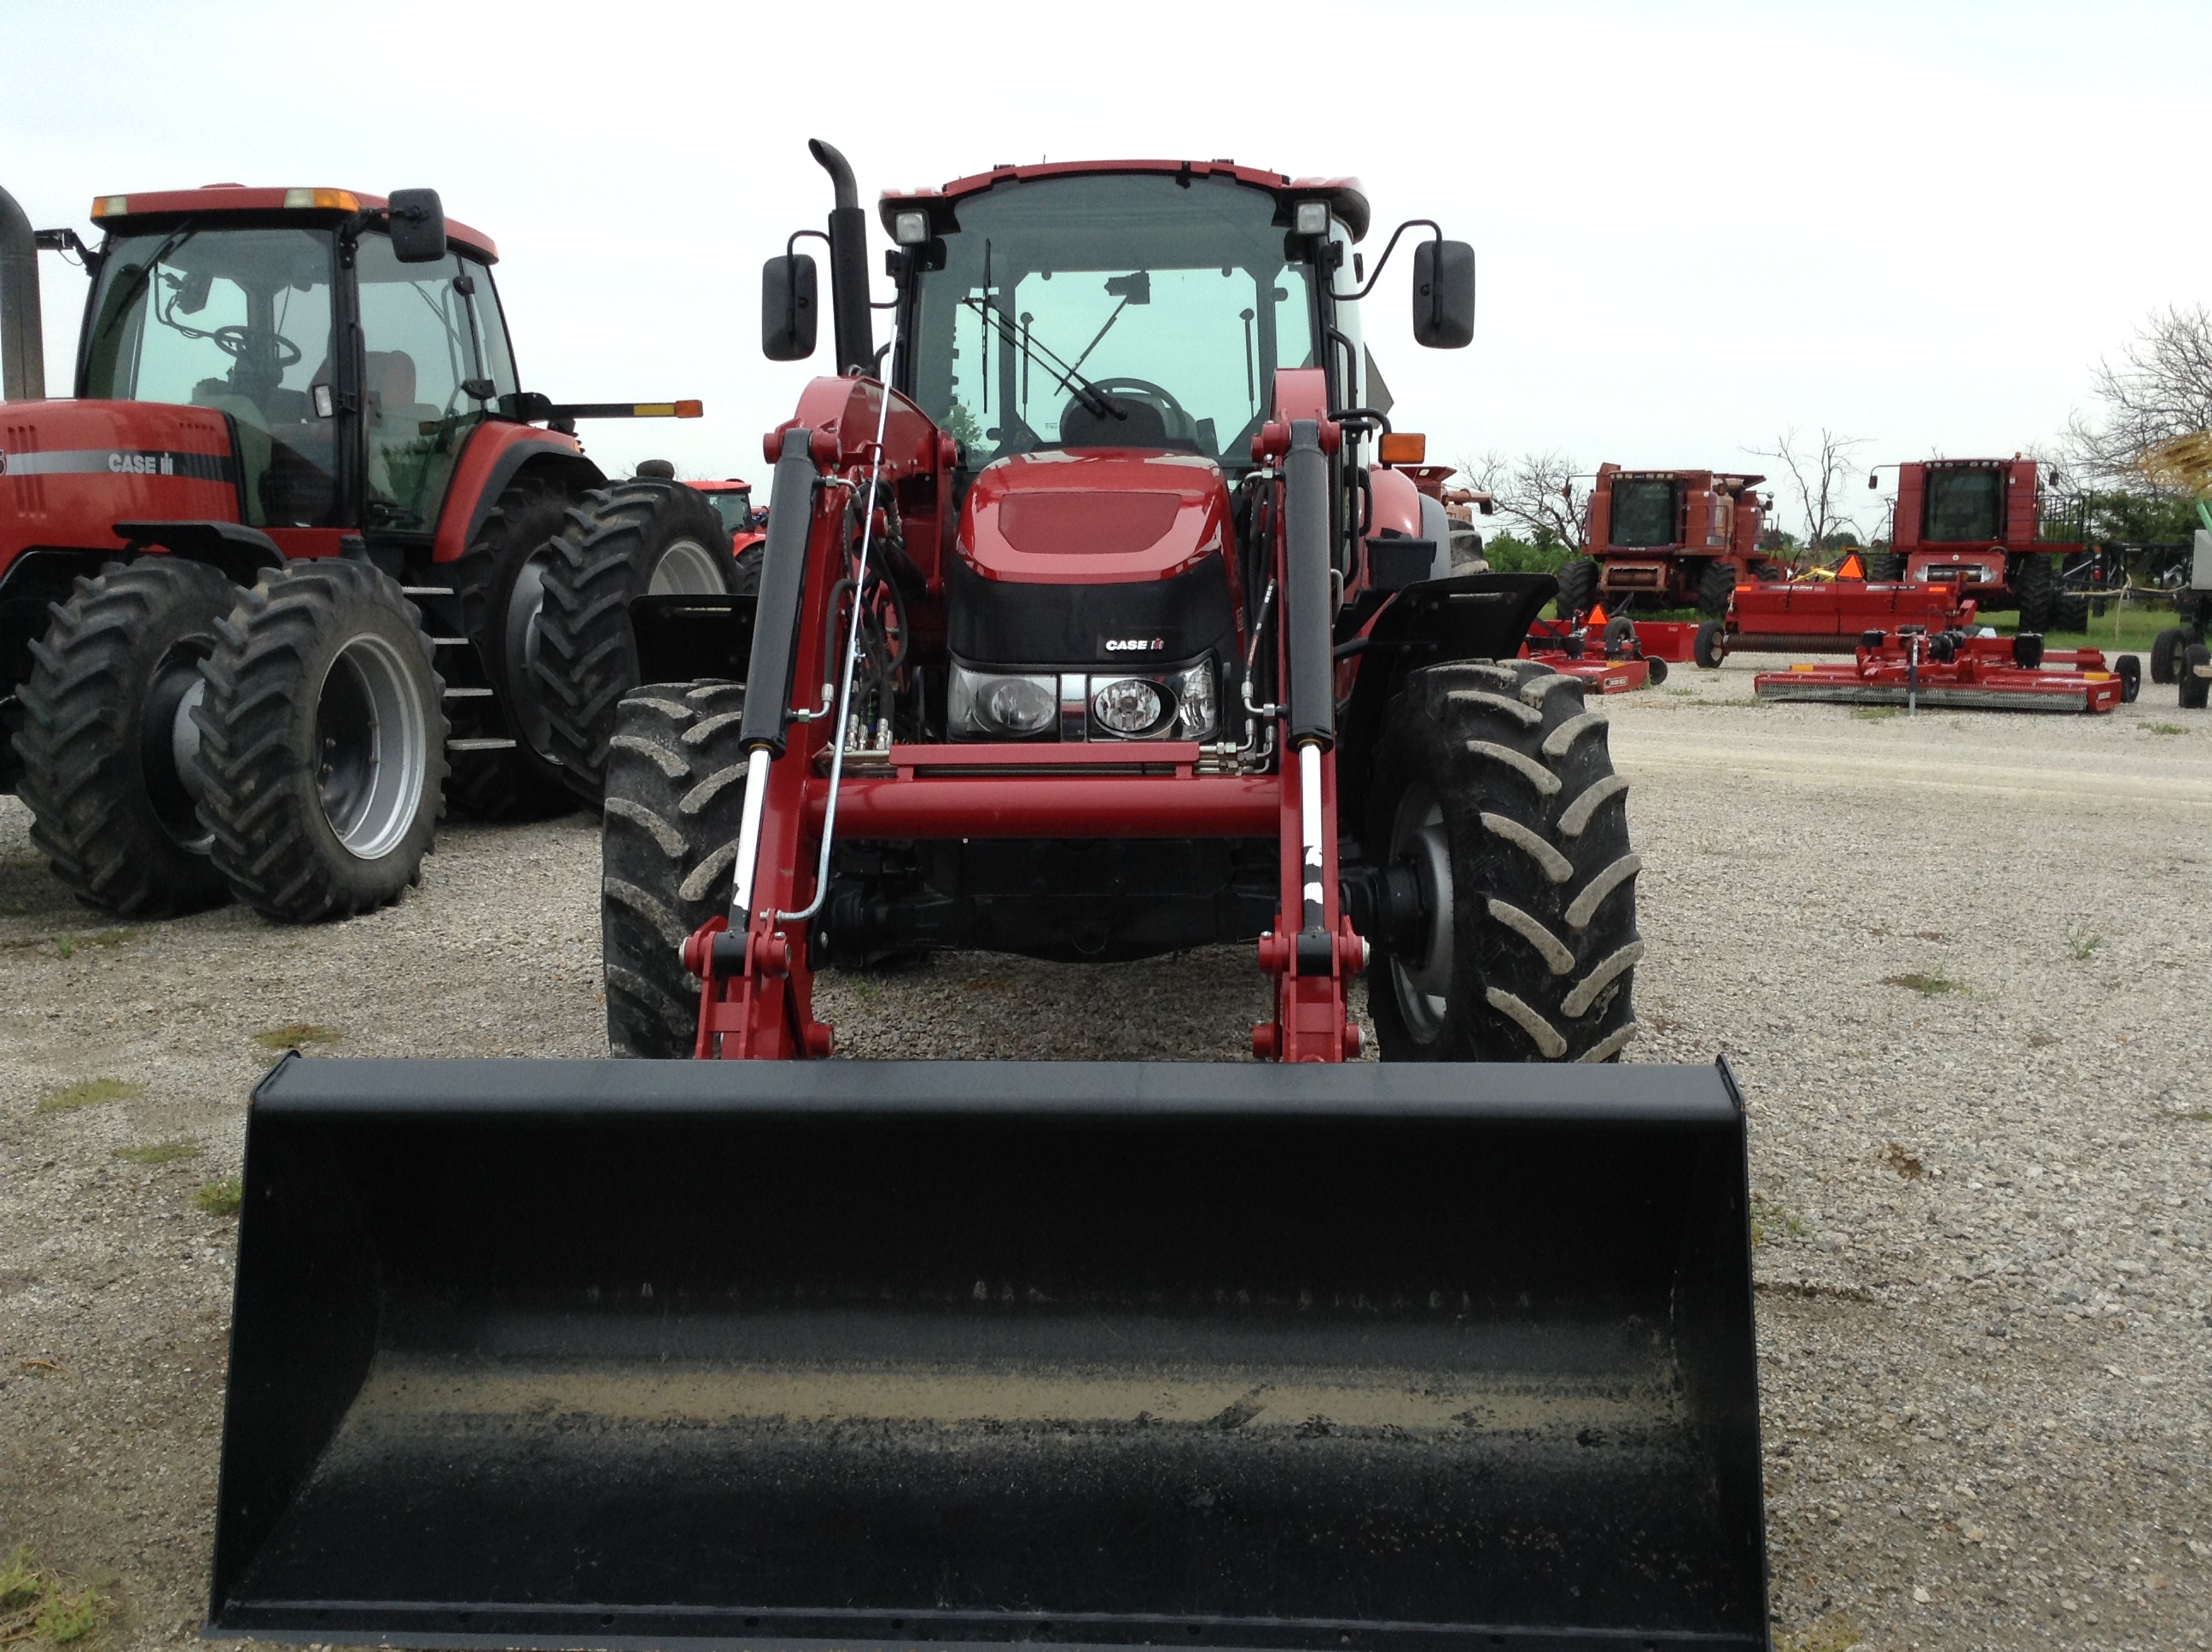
1094 516
70 471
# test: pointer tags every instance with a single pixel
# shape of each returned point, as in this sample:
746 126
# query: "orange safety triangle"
1852 569
1597 616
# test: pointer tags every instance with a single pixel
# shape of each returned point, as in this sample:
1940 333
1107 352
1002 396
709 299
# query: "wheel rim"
370 729
526 609
169 743
1422 980
686 568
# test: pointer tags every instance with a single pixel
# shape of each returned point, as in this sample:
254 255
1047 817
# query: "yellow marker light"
1404 448
329 200
2097 677
1804 668
110 206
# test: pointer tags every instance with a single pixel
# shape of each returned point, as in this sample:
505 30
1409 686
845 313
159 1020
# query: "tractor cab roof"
1345 196
128 214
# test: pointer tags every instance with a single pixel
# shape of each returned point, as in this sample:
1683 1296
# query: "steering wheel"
1179 423
233 341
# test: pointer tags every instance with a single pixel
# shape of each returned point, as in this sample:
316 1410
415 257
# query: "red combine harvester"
299 547
1827 615
1105 628
1667 539
1957 670
1984 527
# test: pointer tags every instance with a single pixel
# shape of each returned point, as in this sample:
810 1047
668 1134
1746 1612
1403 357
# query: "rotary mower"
1962 670
300 560
1614 655
1101 627
1829 614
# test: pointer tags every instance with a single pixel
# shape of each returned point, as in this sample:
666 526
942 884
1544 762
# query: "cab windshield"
1117 311
234 320
1964 505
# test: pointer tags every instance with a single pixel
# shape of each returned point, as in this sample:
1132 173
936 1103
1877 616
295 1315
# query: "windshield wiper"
1095 401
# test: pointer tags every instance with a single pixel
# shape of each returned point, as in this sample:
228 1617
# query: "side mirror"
789 311
418 226
1873 481
1444 294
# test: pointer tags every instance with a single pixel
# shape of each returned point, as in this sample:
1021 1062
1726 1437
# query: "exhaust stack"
23 337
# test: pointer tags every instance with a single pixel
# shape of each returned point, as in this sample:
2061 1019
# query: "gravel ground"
1958 963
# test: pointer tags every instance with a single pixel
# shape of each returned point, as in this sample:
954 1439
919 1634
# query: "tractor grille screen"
1644 514
1964 505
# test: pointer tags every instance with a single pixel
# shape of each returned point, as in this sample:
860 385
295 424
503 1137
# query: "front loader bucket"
591 1353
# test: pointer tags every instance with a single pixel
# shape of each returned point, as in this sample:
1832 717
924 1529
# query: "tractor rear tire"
2070 612
2196 685
1716 586
1578 579
635 538
524 782
675 791
2035 590
2164 649
1493 785
1709 647
322 743
107 737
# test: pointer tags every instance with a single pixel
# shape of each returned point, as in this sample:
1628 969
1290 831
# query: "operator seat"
395 423
1145 427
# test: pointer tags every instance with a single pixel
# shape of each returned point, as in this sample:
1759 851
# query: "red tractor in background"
1103 626
302 559
1989 528
1667 540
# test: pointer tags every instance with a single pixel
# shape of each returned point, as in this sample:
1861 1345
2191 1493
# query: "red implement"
1954 672
1815 616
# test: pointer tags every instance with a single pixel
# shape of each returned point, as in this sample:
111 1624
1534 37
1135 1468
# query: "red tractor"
1989 528
1667 540
302 559
1103 626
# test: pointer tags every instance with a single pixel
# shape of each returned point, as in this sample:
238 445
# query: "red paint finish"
1345 195
472 473
1094 516
1718 517
1059 806
1824 615
73 469
223 198
1983 565
1980 677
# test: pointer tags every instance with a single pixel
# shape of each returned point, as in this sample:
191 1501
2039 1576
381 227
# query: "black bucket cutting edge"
569 1354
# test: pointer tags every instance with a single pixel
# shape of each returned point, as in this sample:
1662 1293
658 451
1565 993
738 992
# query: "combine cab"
1667 540
302 560
1989 529
1106 627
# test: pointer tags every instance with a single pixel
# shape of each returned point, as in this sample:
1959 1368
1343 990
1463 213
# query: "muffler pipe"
849 265
23 337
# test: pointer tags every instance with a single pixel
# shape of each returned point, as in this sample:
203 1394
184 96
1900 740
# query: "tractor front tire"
2164 649
1578 579
668 843
107 739
1494 789
1709 646
2195 676
523 782
322 743
2035 590
1716 586
635 538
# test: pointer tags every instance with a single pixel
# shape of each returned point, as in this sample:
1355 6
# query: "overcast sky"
1697 225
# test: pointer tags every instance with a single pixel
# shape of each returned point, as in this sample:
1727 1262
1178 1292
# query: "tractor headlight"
991 705
1127 706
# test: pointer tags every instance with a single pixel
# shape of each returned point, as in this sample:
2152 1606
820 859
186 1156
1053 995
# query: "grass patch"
2083 945
2163 728
159 1153
34 1602
67 945
1933 986
219 1197
90 1092
1874 713
1894 1156
1833 1633
293 1033
1678 692
1771 1216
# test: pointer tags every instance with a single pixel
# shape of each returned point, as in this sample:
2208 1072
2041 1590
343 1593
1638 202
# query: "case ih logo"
141 463
1136 645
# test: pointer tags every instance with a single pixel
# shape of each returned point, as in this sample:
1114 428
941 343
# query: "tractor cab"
230 299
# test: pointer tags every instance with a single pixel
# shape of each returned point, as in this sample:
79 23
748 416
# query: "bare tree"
1536 493
1819 472
2159 390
